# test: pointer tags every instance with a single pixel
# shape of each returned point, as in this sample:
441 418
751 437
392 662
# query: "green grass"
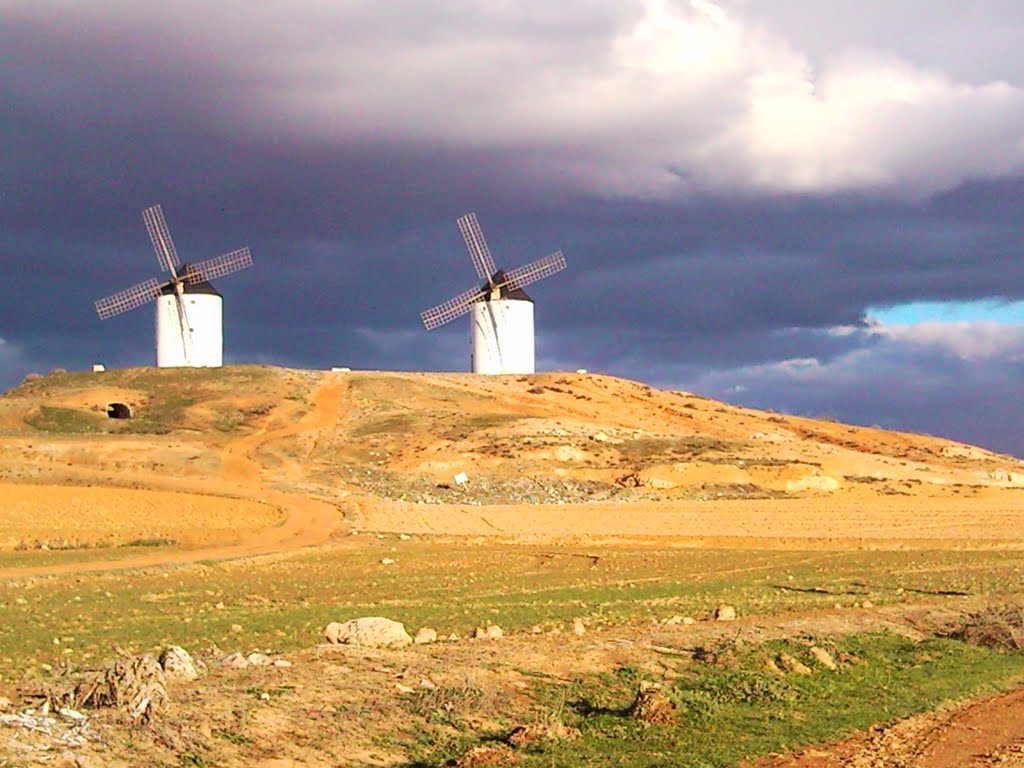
741 711
66 421
455 587
166 395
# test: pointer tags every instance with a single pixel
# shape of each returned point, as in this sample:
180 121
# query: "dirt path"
774 522
973 735
306 521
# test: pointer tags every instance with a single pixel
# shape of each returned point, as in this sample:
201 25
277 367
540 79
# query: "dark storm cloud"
729 187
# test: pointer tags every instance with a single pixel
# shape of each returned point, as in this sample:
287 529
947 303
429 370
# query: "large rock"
368 632
725 613
178 664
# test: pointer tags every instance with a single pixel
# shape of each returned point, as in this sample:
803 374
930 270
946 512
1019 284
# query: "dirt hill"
545 438
385 449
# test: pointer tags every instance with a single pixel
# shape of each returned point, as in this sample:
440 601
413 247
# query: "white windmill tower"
189 311
501 314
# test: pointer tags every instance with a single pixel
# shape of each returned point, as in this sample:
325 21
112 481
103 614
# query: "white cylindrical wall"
502 336
204 347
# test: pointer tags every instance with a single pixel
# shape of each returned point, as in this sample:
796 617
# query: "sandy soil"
87 517
789 522
273 486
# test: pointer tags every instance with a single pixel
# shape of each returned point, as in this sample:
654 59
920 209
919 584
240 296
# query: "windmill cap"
204 286
517 294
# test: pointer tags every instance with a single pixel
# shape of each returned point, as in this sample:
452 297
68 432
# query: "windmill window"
119 411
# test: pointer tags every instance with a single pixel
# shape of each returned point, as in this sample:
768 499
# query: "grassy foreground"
284 604
736 709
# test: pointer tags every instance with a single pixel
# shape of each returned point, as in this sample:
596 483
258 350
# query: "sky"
809 207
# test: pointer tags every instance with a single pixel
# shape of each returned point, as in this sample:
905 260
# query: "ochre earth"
248 462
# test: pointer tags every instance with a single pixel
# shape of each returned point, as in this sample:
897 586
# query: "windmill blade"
534 271
160 235
219 266
129 298
477 246
186 330
444 313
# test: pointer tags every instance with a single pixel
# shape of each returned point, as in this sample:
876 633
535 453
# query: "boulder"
578 627
178 664
235 661
259 660
725 613
491 632
424 636
368 632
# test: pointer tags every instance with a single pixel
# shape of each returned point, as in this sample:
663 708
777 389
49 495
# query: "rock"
282 663
792 664
772 667
867 604
823 657
424 636
492 632
368 632
264 696
388 561
5 704
259 660
599 437
536 630
453 637
725 613
578 627
178 664
404 537
688 620
461 479
404 688
235 661
429 685
236 628
651 705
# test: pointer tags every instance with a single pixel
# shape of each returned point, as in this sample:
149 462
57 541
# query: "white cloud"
640 97
966 340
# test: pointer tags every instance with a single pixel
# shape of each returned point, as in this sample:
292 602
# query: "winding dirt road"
978 734
305 521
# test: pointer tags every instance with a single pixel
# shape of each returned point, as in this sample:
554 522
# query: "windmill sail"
130 298
479 253
456 307
534 271
160 235
219 266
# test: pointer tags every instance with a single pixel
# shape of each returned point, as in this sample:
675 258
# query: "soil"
550 458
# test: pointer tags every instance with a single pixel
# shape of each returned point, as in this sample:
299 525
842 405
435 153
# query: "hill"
545 438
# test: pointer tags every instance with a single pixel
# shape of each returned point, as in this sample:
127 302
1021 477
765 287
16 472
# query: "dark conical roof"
204 286
517 294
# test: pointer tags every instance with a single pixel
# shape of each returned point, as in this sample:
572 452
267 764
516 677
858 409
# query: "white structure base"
501 333
203 345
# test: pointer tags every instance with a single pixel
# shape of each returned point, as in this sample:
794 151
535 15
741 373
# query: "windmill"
189 311
501 314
